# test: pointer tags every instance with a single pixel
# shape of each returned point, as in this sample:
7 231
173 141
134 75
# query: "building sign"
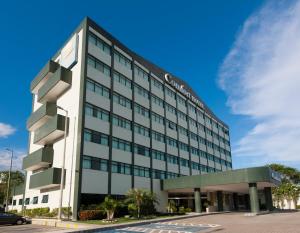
69 53
182 90
275 175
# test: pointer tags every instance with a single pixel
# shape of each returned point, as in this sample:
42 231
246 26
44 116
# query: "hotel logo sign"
182 90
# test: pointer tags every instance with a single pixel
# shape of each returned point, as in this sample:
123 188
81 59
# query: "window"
194 136
157 101
171 125
95 137
97 88
202 154
121 144
159 155
201 127
171 175
121 122
121 168
27 200
202 140
203 168
181 100
141 110
170 93
119 99
87 162
140 73
157 84
94 111
184 162
20 201
172 142
141 130
183 146
210 169
14 202
158 174
95 40
171 109
181 115
195 166
192 122
45 198
122 79
183 131
35 200
98 65
172 159
157 118
209 144
120 58
141 91
194 151
94 163
158 136
141 171
141 150
192 109
210 157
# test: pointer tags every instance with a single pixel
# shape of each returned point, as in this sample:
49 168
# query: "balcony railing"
55 86
43 76
51 131
40 116
38 159
49 178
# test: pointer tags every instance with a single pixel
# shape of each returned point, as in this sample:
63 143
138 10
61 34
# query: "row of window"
125 102
141 73
117 143
94 163
144 131
34 201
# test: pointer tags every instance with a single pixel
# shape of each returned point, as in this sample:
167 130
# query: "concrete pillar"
220 200
268 198
254 205
197 195
235 201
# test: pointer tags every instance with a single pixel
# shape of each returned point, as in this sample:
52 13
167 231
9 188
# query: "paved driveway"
29 228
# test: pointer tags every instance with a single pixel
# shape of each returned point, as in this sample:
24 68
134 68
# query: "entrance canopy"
232 181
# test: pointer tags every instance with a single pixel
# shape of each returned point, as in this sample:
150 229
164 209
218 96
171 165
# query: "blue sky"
192 39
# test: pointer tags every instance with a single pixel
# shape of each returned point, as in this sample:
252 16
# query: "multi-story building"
130 124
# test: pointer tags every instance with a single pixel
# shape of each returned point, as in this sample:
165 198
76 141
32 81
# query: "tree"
17 178
295 194
109 206
138 198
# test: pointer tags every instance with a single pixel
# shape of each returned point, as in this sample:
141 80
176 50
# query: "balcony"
49 178
43 76
51 131
40 116
55 86
38 159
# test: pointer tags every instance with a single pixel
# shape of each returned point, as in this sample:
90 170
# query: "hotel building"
130 124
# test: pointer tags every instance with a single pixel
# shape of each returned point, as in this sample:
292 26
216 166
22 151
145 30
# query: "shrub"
298 207
188 210
13 211
181 210
91 215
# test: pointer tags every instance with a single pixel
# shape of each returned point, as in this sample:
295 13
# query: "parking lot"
222 223
30 229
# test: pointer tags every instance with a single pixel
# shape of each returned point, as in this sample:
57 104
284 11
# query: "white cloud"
6 130
5 157
261 75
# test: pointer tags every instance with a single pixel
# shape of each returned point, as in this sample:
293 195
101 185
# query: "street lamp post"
63 165
8 182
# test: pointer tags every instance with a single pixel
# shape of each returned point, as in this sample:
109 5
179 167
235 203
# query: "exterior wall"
97 181
68 101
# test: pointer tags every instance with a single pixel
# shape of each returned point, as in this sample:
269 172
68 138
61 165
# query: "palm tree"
137 197
295 194
109 206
